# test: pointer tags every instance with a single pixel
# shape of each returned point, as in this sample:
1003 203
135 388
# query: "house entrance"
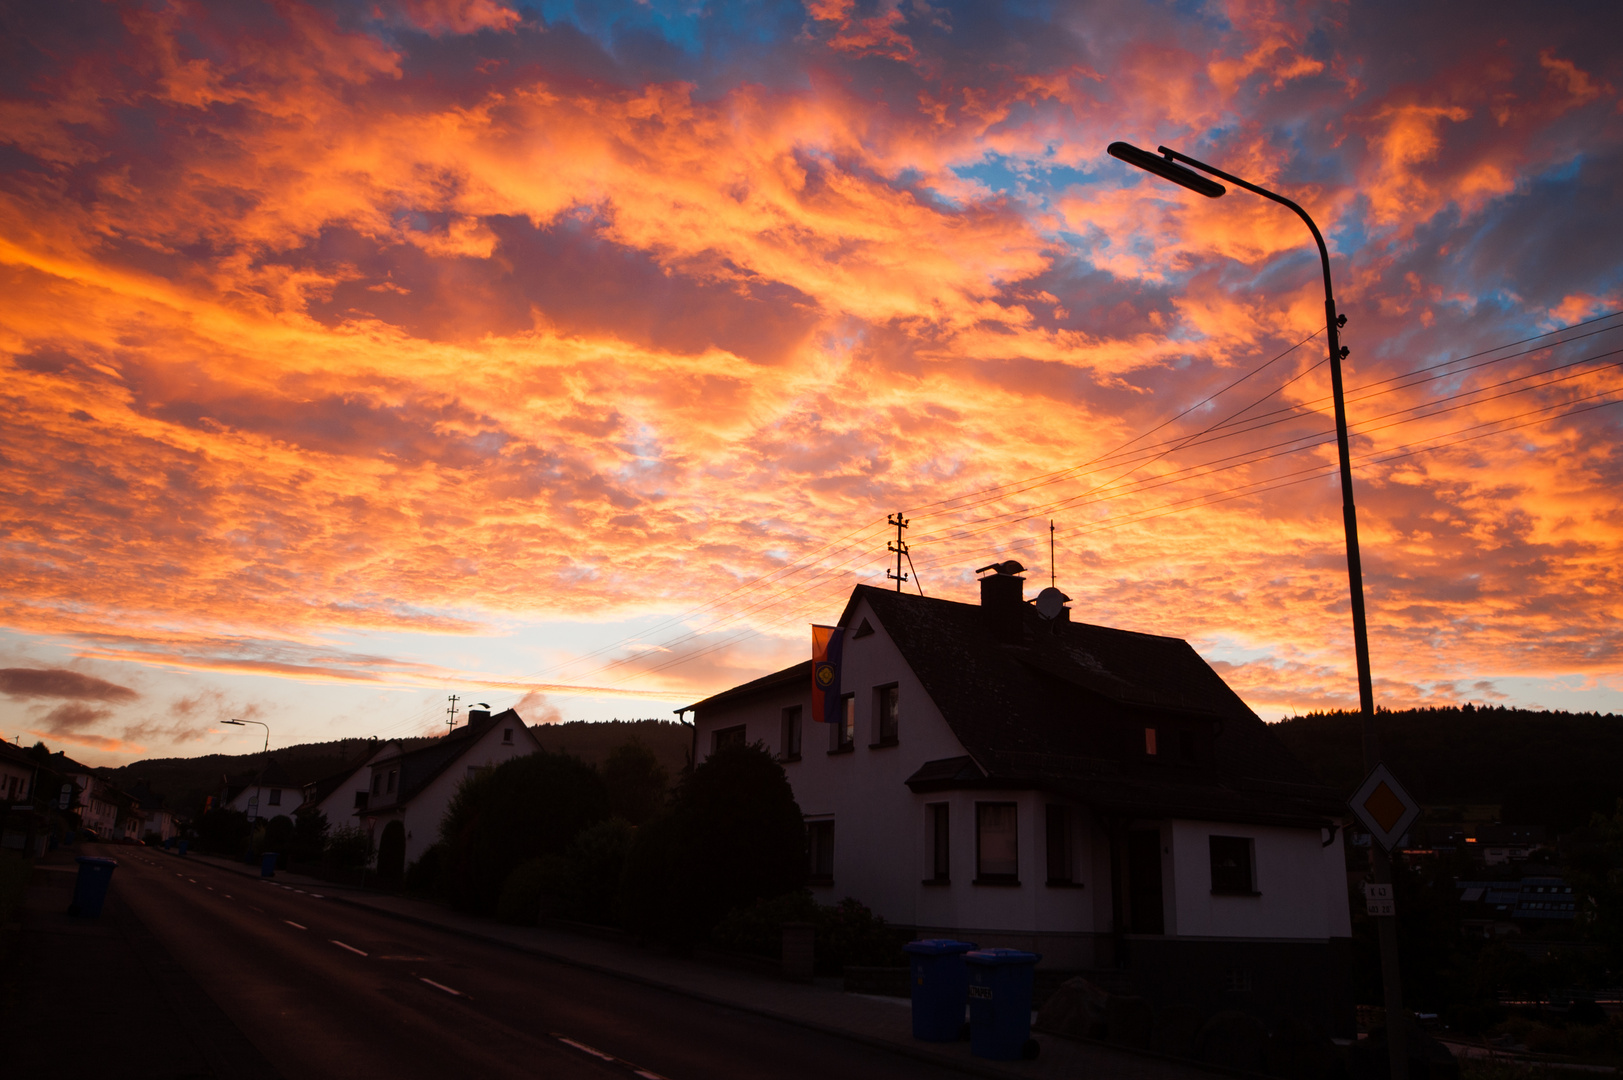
1144 909
392 851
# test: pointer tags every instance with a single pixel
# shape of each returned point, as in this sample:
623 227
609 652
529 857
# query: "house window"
1060 870
729 736
276 796
997 851
360 800
1186 745
1233 871
507 735
820 852
845 732
377 783
885 715
392 775
940 844
1149 741
791 733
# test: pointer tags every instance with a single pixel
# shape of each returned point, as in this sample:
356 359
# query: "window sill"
882 743
1006 882
1235 892
936 881
1065 884
843 750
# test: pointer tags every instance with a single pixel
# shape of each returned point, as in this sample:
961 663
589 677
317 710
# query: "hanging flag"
827 644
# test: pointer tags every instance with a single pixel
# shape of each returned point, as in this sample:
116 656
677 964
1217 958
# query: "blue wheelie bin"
267 864
1000 1003
940 985
90 888
181 847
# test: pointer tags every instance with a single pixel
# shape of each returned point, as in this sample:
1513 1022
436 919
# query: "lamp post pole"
1168 167
259 781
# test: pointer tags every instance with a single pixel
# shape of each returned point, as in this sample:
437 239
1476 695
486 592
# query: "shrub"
224 831
597 860
349 847
525 808
635 782
423 876
758 928
731 836
848 933
309 834
522 894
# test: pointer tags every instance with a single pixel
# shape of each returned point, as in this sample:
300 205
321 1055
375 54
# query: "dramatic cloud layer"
336 335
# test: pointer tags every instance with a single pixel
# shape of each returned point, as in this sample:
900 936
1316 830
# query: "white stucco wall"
422 815
1301 884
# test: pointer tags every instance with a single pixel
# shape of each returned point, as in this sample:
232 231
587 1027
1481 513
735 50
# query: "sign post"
1387 811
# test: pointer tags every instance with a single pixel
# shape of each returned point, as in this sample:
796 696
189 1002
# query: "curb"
970 1067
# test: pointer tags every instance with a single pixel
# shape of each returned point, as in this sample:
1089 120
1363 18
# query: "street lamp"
1168 167
259 788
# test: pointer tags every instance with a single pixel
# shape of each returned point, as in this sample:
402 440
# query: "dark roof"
419 767
801 672
275 776
1058 705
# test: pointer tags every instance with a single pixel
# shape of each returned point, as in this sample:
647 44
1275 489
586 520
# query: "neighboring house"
18 770
267 794
409 790
342 796
1500 844
94 797
160 821
1494 909
1098 796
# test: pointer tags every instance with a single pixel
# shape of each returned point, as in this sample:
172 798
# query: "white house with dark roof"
269 793
409 790
1095 795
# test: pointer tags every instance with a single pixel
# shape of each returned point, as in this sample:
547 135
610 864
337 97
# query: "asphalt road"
325 989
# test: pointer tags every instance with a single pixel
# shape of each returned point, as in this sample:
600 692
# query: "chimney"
475 715
1003 598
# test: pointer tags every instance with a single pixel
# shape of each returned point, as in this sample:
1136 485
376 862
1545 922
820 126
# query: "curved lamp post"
1168 167
259 786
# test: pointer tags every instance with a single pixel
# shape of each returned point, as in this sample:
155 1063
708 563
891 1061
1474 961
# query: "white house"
409 790
1095 795
270 793
342 796
17 772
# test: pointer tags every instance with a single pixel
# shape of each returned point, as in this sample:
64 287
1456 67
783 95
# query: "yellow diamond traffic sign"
1384 807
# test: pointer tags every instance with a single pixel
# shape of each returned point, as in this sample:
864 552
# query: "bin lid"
938 947
992 957
96 860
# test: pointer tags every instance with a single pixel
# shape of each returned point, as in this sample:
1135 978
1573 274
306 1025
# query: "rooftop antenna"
451 723
1052 584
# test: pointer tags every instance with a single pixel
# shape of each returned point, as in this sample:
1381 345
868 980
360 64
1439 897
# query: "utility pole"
899 546
451 723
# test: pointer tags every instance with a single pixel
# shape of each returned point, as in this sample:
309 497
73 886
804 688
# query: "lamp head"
1166 169
238 723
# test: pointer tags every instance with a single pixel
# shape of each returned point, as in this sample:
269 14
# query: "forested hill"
182 783
1542 768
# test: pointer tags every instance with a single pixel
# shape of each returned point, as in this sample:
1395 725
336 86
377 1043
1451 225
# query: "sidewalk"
885 1023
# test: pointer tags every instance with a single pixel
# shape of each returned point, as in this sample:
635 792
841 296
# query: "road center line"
317 896
351 948
295 925
583 1047
442 986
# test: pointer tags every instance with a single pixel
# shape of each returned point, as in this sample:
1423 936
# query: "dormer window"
507 735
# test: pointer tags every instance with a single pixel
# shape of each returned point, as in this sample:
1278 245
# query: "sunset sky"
571 356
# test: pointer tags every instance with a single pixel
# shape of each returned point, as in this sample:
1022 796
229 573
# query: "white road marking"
301 892
317 895
192 880
226 895
351 948
583 1047
442 986
210 888
295 925
646 1075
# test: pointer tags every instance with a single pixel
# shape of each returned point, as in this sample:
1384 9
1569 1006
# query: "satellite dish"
1050 603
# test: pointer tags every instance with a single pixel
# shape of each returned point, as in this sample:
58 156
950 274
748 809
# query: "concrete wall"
1301 884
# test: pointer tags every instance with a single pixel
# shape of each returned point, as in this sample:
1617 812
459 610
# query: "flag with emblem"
826 647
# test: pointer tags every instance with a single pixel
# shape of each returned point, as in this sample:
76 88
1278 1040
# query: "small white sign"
1378 901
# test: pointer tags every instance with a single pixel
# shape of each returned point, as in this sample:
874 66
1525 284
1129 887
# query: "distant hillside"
1542 768
182 783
